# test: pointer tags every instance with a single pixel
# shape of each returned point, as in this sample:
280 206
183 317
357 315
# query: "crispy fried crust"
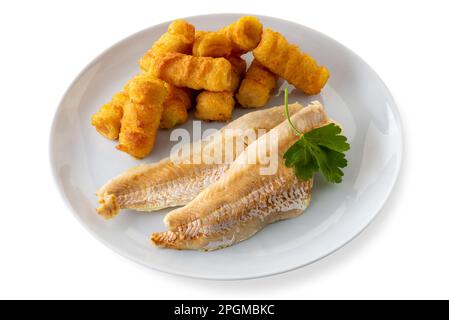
179 38
237 38
142 115
211 44
238 65
287 61
213 74
257 86
238 71
214 106
218 106
175 106
244 34
107 119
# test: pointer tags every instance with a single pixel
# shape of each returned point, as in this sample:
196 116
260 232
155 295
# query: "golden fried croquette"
237 38
173 115
238 65
218 106
214 106
181 70
141 115
184 31
211 44
107 119
257 86
179 38
191 94
244 34
175 106
287 61
147 62
238 71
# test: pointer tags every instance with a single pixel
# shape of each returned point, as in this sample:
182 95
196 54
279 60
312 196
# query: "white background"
46 253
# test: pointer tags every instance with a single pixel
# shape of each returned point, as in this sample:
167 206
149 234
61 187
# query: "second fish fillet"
150 187
244 201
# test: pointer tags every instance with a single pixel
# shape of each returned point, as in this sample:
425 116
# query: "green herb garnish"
321 149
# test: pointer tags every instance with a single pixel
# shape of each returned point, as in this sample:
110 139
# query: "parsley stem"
287 114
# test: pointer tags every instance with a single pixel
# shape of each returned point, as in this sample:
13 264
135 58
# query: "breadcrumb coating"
141 115
107 119
181 70
287 61
214 106
257 86
179 38
244 34
175 106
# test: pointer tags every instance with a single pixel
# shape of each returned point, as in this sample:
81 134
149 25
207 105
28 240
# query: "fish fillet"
243 201
150 187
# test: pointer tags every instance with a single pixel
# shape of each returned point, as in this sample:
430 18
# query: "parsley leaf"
321 149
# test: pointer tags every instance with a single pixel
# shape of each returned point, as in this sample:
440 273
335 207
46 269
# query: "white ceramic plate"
355 96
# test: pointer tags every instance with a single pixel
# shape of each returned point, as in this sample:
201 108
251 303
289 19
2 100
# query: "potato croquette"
175 106
257 86
244 34
238 65
218 106
213 74
191 94
179 38
141 115
238 38
186 65
238 71
174 114
107 119
287 61
214 106
211 44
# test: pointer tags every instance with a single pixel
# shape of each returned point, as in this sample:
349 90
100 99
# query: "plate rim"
393 107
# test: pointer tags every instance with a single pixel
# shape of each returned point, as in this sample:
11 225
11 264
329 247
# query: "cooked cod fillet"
243 201
150 187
